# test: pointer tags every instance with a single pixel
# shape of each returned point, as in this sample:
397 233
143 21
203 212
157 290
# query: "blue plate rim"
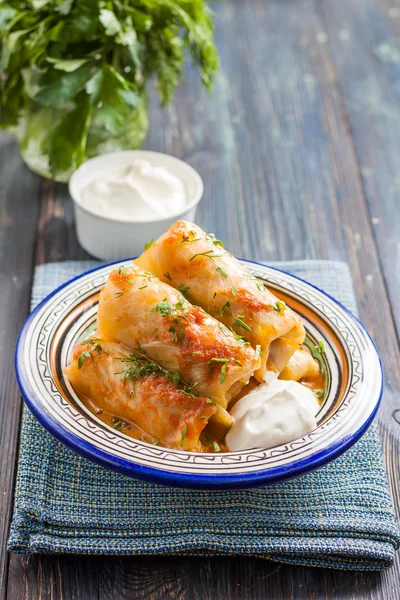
185 480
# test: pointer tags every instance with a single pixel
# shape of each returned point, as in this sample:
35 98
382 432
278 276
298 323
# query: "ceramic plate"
354 380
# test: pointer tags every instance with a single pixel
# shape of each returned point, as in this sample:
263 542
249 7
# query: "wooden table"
299 148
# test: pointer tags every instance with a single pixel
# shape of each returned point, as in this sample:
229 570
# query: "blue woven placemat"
340 516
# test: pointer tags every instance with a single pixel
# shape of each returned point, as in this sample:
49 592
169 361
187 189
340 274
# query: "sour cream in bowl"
124 199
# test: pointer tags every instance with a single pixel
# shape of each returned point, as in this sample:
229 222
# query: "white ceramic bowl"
114 239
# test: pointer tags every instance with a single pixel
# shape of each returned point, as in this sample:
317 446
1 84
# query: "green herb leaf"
155 441
279 307
223 373
143 286
184 289
216 446
118 294
221 272
209 401
168 276
66 143
234 290
238 322
319 393
83 357
150 243
67 65
261 286
184 432
174 333
257 352
211 237
224 310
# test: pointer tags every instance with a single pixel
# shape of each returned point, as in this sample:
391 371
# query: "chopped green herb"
216 446
184 432
221 272
223 373
186 239
196 353
121 270
321 347
95 345
147 246
215 293
211 238
119 424
176 379
164 308
174 333
215 359
209 401
261 286
257 352
155 441
237 362
181 331
240 323
234 290
224 310
208 254
82 358
279 306
319 393
140 366
143 286
168 276
239 338
184 289
119 294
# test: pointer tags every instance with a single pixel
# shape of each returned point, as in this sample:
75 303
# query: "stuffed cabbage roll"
138 310
300 365
197 264
125 383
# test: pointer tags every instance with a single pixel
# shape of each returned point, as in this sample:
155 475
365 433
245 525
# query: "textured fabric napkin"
340 516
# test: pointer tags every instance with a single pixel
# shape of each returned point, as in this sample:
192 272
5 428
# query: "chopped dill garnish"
184 432
211 238
234 290
196 353
215 293
224 310
279 306
143 286
216 446
119 424
240 323
174 333
239 338
155 441
119 294
150 243
221 272
257 352
210 401
319 393
168 276
83 357
208 254
223 367
184 289
261 286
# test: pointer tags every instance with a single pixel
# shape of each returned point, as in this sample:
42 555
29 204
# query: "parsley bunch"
92 59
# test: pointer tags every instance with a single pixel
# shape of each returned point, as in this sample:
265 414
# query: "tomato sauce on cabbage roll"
127 384
140 311
197 264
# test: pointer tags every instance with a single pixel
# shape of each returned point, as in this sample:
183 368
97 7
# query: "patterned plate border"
82 433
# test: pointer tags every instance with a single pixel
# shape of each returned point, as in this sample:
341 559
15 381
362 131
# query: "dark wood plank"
282 182
19 190
363 37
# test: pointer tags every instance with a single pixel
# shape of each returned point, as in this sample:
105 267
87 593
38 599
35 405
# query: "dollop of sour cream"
276 412
141 192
